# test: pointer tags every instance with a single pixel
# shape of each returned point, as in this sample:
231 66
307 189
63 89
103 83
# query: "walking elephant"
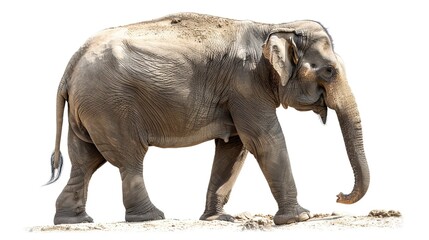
188 78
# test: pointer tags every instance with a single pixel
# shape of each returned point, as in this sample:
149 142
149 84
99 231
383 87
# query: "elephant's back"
187 27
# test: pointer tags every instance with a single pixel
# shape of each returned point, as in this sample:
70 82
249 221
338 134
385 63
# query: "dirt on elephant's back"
376 219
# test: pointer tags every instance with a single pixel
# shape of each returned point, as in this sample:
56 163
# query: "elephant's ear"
281 51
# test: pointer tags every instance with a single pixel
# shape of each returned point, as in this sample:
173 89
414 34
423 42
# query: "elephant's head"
311 76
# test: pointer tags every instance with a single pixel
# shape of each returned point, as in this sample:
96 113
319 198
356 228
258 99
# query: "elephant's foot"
220 216
292 215
154 214
72 218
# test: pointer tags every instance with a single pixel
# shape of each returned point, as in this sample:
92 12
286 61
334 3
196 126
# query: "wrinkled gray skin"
188 78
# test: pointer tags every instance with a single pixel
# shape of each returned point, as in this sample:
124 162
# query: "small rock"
175 20
244 216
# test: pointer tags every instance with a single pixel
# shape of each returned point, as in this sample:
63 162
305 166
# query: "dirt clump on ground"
383 213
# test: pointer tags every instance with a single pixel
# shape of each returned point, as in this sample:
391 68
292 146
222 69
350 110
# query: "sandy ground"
381 221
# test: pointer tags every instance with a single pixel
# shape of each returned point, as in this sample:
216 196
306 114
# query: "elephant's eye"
327 73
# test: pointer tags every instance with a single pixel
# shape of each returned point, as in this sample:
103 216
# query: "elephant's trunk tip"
349 198
341 198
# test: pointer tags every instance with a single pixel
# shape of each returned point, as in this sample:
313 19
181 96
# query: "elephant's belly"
191 138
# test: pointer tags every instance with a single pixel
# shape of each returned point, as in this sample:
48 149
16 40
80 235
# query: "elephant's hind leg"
85 160
128 157
228 160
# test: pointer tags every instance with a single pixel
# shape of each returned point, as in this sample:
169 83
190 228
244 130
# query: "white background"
383 45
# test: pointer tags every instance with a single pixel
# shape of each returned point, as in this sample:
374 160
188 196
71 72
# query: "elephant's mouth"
319 107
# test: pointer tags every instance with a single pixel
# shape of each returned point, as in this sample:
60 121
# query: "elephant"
187 78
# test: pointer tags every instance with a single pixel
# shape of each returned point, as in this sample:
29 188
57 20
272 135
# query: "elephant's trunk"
350 123
340 98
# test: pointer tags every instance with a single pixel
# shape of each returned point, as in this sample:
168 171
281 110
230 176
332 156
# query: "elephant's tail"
56 157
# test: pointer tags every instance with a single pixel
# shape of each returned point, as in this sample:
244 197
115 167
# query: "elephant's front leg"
262 135
229 159
274 161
